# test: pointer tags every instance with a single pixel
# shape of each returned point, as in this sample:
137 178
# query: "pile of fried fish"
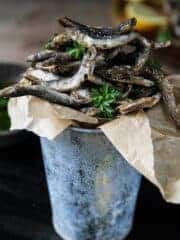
103 72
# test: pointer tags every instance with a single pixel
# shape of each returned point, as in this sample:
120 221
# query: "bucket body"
92 189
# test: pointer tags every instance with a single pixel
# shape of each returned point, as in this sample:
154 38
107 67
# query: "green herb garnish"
164 35
154 64
3 103
77 51
105 98
4 118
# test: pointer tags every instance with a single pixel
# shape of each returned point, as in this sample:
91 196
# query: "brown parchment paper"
149 141
36 115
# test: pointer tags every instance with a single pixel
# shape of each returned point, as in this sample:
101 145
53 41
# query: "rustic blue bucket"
93 190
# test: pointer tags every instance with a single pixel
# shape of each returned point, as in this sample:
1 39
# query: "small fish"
100 37
132 106
99 32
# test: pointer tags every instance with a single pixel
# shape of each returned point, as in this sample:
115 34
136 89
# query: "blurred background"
25 25
25 212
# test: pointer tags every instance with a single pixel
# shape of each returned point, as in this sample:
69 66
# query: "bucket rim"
86 130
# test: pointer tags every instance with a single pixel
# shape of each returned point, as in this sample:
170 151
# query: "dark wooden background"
25 212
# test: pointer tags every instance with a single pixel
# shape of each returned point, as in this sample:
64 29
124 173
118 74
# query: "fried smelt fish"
85 71
102 38
49 56
40 56
123 75
81 95
167 90
59 68
25 87
99 32
67 84
84 58
126 107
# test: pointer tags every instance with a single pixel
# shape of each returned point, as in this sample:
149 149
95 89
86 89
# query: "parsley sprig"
105 98
76 51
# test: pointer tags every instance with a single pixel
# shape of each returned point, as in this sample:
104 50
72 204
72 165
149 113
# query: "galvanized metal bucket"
93 190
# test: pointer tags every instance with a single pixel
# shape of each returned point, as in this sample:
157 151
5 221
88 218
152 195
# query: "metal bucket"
93 190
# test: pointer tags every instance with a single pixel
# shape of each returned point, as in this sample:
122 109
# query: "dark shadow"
25 211
154 218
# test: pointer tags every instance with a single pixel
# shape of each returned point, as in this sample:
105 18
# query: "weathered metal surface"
92 188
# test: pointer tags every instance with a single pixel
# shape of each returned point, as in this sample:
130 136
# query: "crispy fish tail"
139 104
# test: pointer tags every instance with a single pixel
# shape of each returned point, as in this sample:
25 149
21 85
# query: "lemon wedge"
147 18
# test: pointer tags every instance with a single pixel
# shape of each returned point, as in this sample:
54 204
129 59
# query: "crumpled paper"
149 141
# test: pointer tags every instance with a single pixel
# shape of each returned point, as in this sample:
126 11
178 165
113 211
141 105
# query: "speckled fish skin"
99 32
